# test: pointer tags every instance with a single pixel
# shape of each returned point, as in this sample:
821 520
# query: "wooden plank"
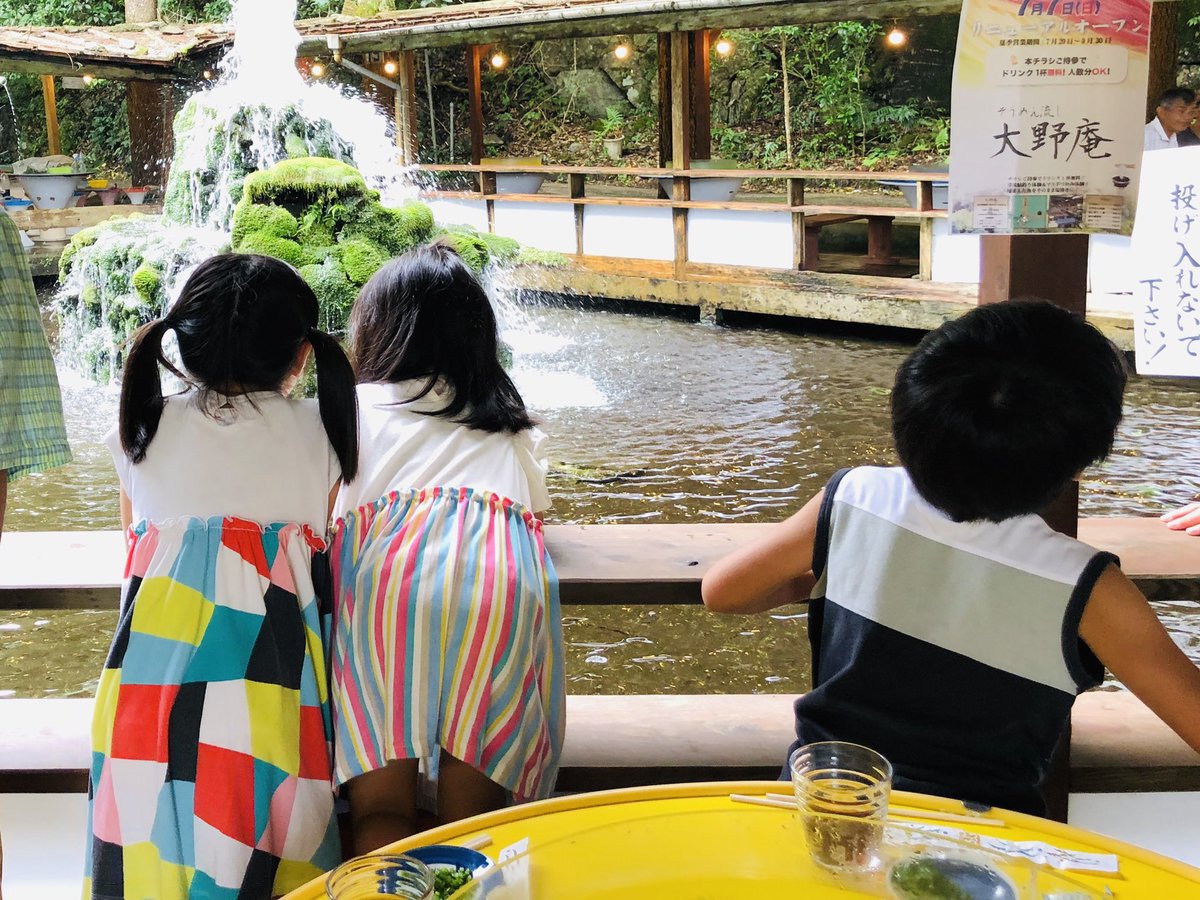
681 144
475 100
534 24
613 564
665 171
1117 743
406 108
77 216
50 103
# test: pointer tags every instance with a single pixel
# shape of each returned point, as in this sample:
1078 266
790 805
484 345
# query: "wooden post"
151 111
924 204
51 101
577 192
475 98
795 199
681 157
406 107
664 100
1163 52
701 98
1052 267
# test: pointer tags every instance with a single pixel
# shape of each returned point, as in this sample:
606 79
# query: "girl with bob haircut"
211 772
447 641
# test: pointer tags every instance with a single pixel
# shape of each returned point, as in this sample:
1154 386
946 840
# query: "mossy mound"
320 216
218 148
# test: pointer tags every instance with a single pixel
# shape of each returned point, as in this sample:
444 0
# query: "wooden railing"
1117 744
807 218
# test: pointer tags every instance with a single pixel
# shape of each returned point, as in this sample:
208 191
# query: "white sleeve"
532 452
121 462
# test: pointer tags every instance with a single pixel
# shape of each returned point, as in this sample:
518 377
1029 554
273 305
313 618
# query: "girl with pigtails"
211 773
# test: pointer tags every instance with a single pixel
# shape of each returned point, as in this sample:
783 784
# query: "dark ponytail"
141 390
337 400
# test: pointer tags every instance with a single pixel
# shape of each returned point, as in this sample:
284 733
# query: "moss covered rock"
470 245
337 294
306 182
361 259
273 220
147 284
281 248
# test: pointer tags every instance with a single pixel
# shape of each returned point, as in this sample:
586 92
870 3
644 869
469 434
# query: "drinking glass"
842 792
380 876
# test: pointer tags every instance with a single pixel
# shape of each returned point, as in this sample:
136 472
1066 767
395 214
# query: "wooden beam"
795 188
475 100
701 98
28 64
681 139
578 190
406 108
534 25
151 110
664 100
50 100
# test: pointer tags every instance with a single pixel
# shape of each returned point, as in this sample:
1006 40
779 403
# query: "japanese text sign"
1047 117
1166 250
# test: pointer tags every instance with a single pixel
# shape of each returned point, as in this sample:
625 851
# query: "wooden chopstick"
478 842
785 801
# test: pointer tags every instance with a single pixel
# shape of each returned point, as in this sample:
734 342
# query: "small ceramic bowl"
448 856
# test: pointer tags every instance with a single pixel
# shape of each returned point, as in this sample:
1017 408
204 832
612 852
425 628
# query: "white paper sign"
1166 253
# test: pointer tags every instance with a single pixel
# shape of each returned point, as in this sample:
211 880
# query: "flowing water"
653 420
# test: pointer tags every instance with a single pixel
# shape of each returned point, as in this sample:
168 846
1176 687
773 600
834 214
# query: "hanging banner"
1047 115
1166 250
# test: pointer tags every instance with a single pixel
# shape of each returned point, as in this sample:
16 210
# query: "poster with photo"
1047 116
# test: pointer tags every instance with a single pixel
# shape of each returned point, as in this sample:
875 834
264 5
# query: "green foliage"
468 244
272 220
612 125
308 181
361 259
548 259
281 248
502 250
147 282
336 293
83 238
395 230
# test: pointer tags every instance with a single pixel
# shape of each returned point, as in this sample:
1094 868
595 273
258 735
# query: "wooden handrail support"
1117 744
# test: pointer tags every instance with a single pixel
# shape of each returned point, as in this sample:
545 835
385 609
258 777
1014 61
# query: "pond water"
652 420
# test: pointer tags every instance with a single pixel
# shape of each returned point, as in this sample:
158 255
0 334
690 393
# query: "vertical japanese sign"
1047 115
1166 246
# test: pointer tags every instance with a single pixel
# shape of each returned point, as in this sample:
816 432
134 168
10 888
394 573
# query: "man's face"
1177 116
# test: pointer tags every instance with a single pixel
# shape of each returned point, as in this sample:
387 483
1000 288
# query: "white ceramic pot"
49 191
524 183
137 198
613 147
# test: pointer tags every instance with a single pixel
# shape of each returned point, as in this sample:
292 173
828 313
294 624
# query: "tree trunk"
787 98
1163 53
141 10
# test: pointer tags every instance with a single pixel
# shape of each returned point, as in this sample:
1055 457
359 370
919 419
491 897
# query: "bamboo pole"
50 99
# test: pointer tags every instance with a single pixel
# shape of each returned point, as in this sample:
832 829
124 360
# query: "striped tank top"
952 648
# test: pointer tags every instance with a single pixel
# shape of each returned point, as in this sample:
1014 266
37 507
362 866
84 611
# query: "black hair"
1174 95
240 321
426 316
995 412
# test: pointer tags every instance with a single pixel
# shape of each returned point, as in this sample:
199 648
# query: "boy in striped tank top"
951 628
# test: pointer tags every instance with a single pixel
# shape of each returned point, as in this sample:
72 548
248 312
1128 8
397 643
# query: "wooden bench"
621 741
879 236
1117 744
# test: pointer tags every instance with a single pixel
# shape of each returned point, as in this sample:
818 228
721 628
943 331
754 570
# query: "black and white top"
952 648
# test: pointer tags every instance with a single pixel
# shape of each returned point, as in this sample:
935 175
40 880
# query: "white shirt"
1156 137
270 464
401 448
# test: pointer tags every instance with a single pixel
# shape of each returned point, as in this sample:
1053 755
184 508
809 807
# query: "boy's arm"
1123 631
770 572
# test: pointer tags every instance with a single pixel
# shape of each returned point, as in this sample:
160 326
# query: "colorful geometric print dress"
447 636
211 740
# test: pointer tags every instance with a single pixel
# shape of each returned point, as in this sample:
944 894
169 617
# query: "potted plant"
611 130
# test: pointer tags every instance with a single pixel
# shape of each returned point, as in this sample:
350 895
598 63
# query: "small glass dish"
381 875
448 862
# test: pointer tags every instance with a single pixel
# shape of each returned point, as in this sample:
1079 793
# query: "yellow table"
692 841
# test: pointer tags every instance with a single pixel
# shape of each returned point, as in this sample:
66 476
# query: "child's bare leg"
383 805
464 791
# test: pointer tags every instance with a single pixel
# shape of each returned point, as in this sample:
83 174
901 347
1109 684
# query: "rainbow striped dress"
447 636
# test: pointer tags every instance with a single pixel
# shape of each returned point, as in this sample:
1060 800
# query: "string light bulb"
622 51
390 67
88 79
498 60
318 70
896 38
723 47
208 74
